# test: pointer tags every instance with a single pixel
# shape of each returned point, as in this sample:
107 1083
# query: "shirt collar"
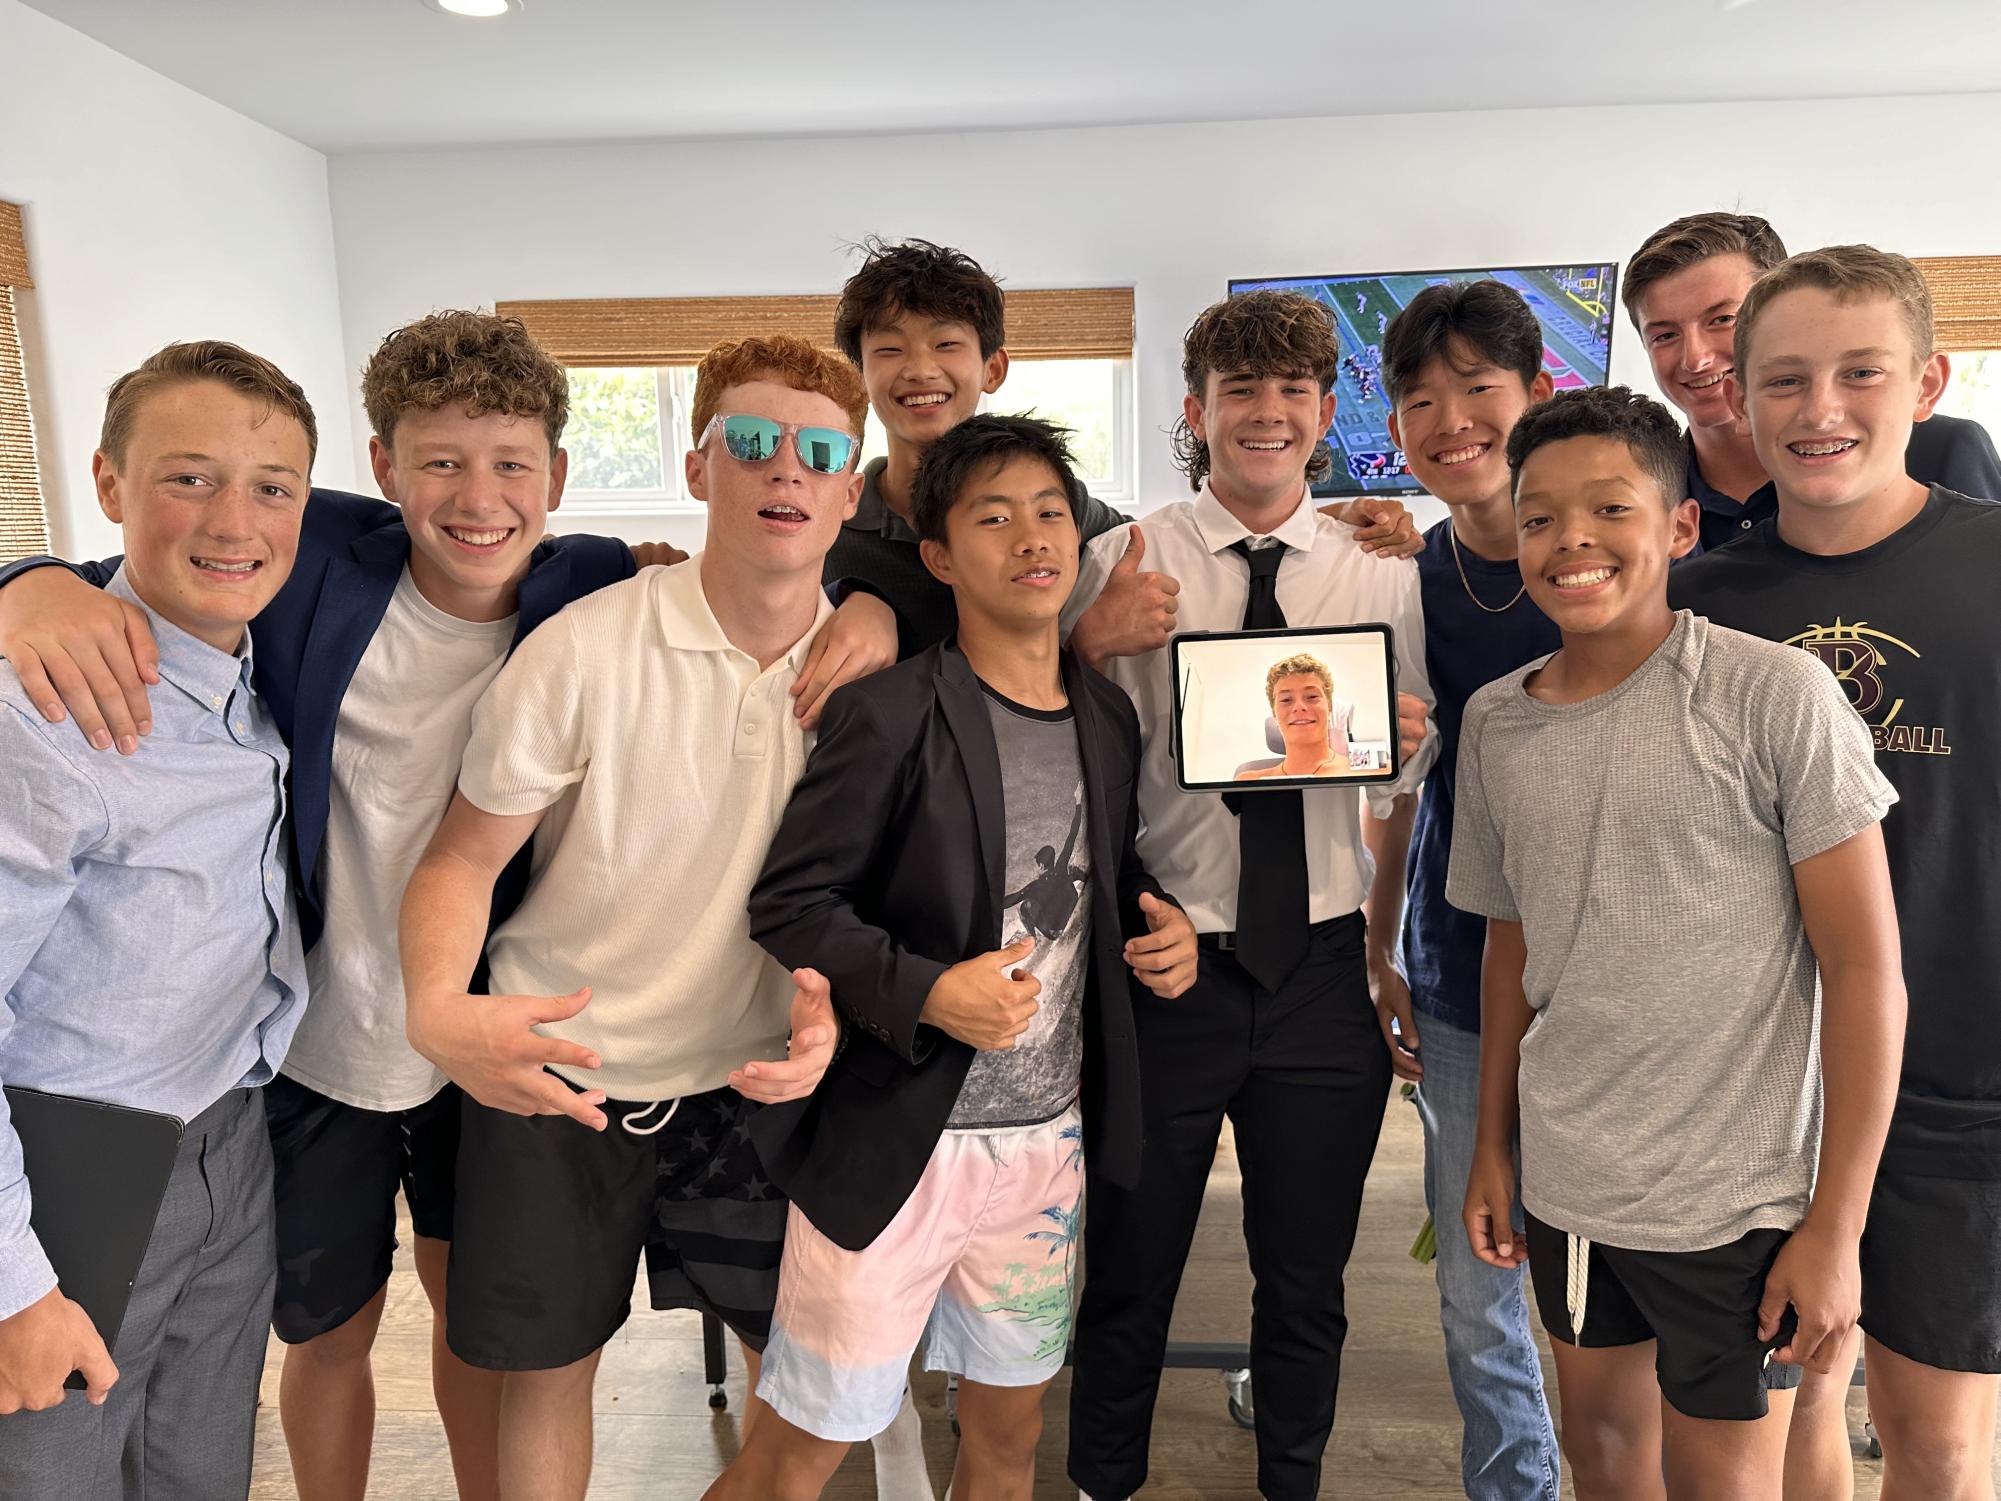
872 512
1219 529
688 624
206 675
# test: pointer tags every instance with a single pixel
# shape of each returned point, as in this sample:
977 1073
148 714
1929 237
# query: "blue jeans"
1509 1449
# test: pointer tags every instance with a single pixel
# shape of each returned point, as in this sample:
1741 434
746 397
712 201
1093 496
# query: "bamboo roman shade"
1076 324
1966 300
24 524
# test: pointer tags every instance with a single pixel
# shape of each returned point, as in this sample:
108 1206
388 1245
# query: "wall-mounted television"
1575 304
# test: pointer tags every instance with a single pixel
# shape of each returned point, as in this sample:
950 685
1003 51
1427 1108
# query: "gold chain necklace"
1452 536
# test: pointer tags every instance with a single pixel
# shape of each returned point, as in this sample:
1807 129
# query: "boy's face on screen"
1832 391
1299 704
1010 549
1687 322
209 492
1453 422
1596 535
476 492
1261 431
926 375
775 514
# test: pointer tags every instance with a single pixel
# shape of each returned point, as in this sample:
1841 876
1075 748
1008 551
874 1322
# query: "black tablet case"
97 1175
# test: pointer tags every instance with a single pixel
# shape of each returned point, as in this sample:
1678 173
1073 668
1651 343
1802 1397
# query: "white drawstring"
1577 1287
627 1120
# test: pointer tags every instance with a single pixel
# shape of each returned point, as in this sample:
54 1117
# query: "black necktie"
1271 828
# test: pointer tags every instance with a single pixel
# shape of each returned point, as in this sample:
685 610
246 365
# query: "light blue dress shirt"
149 954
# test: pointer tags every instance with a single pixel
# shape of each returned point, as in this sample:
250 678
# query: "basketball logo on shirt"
1855 654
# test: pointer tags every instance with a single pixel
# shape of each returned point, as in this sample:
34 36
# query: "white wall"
154 214
1173 210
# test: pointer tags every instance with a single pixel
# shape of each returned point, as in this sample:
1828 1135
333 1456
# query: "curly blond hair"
794 362
474 362
1302 665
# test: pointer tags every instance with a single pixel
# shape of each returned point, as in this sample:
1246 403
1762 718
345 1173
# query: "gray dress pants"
181 1422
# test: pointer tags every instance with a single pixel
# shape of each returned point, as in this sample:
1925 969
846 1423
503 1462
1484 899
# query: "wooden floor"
1397 1435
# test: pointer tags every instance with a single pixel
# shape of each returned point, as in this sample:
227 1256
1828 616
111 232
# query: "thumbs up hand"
1133 614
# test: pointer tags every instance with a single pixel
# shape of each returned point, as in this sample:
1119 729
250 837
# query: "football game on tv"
1575 305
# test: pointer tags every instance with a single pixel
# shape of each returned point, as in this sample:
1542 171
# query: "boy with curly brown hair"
1278 1032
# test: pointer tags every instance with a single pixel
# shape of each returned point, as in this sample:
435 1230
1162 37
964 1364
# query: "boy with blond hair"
1888 583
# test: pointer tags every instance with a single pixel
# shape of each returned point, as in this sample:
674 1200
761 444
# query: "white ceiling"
365 75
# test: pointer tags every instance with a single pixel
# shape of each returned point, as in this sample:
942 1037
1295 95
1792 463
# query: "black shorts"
337 1168
554 1217
1931 1262
1700 1306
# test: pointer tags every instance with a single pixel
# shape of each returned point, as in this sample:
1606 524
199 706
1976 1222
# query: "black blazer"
888 868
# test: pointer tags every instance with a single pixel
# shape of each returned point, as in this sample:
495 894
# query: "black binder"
97 1175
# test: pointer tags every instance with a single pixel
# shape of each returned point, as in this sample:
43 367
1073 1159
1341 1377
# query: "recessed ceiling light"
481 8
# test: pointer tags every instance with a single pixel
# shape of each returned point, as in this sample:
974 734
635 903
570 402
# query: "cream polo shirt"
665 758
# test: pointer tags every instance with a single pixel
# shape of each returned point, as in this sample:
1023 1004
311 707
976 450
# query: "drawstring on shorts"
627 1121
1577 1284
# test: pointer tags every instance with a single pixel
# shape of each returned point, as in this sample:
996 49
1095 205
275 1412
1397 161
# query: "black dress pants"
1304 1077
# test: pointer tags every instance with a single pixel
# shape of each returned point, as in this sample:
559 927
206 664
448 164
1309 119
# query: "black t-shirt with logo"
1911 628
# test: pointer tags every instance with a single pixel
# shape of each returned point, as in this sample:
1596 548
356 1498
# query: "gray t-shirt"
1048 896
1644 839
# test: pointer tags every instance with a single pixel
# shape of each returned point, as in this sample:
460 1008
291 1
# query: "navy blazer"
310 638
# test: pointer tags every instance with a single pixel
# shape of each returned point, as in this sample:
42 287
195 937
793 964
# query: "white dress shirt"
1189 839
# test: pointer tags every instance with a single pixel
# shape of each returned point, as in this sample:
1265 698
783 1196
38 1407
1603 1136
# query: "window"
1975 388
1966 317
24 523
628 429
632 364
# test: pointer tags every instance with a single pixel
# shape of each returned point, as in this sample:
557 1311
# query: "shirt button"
1745 523
215 700
750 727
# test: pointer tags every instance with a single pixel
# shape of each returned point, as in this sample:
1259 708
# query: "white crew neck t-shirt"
398 740
665 757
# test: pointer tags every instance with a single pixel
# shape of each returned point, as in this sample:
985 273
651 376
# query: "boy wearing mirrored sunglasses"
645 742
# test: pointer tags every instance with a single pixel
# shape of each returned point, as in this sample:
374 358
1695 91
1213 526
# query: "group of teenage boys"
838 991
